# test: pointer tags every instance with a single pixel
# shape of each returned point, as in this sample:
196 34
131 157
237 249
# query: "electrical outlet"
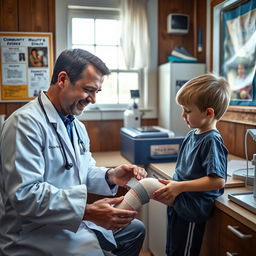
252 132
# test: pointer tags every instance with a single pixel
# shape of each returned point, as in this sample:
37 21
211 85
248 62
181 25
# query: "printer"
149 144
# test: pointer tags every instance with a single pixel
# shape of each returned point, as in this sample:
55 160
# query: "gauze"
140 193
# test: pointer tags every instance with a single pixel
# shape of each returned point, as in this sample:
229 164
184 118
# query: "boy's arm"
174 188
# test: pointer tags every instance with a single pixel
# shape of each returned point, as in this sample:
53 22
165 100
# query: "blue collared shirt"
68 122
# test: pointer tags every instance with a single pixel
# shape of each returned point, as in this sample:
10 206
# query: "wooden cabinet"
235 238
225 236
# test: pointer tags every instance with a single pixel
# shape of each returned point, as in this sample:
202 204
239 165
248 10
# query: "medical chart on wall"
26 64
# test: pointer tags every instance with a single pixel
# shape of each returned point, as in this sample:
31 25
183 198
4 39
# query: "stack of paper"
180 54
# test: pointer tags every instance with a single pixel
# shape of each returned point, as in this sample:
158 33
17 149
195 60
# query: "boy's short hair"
206 91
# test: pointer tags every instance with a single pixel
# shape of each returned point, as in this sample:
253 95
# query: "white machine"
132 115
172 76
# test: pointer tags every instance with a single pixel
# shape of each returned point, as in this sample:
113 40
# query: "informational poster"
26 64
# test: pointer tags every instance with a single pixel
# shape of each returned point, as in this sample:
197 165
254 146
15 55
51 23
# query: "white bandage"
132 200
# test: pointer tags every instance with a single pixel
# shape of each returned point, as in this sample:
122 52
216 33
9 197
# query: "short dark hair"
74 61
206 91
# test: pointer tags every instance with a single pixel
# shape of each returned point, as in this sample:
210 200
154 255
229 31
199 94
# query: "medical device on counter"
247 200
132 115
149 144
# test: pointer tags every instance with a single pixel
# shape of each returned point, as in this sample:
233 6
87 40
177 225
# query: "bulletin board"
26 64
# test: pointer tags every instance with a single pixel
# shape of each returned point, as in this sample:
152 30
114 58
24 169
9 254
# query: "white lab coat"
44 202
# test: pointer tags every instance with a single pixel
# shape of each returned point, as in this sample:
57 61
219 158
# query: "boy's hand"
168 202
167 193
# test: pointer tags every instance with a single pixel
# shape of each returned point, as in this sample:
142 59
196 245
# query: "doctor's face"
75 97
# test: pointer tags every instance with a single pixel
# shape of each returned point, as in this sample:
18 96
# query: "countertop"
109 158
166 170
223 203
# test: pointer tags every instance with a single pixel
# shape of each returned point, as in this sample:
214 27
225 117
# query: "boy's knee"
139 194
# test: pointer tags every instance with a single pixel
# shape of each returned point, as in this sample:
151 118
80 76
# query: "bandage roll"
133 200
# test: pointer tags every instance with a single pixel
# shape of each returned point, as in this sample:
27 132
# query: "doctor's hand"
123 173
102 213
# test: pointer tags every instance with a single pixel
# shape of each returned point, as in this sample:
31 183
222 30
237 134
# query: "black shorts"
184 238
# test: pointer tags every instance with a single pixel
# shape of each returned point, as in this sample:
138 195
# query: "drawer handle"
231 253
234 229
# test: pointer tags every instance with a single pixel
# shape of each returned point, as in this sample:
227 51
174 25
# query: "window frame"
101 13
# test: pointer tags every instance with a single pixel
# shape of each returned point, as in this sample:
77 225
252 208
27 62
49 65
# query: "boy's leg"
184 238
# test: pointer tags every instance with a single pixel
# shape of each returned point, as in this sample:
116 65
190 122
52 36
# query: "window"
98 31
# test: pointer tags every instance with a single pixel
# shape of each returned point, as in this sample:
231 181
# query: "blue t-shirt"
200 155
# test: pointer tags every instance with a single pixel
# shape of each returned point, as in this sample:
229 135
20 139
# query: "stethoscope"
81 144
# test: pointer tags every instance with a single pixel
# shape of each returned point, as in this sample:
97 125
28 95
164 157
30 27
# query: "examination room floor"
145 253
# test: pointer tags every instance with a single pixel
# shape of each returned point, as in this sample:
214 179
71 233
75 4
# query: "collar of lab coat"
55 119
51 111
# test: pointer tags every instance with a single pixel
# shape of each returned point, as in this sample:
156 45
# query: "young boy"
200 172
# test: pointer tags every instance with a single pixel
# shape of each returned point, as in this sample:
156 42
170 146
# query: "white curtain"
134 33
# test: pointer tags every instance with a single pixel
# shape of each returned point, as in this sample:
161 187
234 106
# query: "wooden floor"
145 254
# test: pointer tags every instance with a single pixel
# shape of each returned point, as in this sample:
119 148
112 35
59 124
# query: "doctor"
47 171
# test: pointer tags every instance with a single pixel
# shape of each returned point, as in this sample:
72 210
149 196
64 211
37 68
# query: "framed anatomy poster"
26 64
238 50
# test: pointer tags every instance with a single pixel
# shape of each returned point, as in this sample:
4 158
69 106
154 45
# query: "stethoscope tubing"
82 147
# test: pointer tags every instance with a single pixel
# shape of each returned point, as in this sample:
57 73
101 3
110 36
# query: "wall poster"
238 44
26 64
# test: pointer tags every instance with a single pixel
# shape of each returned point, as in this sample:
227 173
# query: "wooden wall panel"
227 131
105 135
201 24
41 18
2 109
8 15
26 15
51 24
95 135
111 137
234 138
196 9
11 107
34 15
